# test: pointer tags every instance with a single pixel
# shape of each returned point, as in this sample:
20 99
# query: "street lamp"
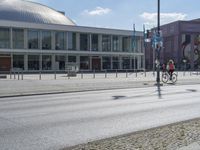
158 45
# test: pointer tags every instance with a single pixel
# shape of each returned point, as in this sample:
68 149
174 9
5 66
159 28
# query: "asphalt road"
61 120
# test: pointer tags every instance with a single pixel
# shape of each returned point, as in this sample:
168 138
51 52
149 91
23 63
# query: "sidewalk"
31 85
178 136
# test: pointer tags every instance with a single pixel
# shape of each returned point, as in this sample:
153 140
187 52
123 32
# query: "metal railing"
84 74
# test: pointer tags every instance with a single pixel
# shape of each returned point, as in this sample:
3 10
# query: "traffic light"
148 34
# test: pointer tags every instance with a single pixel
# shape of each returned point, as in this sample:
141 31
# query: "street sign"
157 41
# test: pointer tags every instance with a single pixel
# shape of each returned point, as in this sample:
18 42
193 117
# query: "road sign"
157 41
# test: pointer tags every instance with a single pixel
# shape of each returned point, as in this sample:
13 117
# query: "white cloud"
151 18
98 11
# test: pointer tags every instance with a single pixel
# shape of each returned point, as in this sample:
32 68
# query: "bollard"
81 74
116 74
68 74
136 74
18 75
10 75
105 74
22 75
126 74
183 73
190 73
14 75
55 75
94 74
40 76
145 73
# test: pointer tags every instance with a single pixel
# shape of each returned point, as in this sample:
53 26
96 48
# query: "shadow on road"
159 90
118 97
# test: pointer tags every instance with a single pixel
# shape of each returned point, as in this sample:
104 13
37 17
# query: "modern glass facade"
33 62
95 43
60 62
84 42
18 38
115 63
126 63
46 40
33 39
60 41
71 40
46 62
4 38
106 62
106 43
84 62
116 44
43 46
18 62
126 44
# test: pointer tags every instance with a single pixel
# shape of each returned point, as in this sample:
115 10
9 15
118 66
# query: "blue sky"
121 14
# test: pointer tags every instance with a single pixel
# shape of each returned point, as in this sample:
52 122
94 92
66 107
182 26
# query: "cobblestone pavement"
169 137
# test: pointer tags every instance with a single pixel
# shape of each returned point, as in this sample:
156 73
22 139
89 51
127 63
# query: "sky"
122 14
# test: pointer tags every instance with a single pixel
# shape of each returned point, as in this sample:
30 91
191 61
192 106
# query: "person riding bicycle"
170 68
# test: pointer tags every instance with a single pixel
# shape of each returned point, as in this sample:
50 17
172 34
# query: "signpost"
158 45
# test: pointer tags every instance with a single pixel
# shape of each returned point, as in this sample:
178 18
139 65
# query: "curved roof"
26 11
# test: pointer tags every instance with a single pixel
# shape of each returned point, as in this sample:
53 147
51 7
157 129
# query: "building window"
18 38
106 43
33 62
18 62
33 39
71 41
115 63
126 63
60 63
106 62
46 40
135 63
84 42
4 38
60 40
84 62
95 44
116 47
72 59
126 44
46 62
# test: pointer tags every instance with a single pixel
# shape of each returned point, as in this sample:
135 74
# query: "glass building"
31 41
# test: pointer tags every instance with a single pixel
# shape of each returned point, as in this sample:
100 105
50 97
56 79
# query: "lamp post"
158 45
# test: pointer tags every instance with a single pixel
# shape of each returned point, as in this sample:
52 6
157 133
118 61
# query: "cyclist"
170 68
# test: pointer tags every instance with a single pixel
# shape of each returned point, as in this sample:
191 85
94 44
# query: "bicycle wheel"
165 77
174 78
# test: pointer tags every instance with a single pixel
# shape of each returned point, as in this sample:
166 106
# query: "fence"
83 74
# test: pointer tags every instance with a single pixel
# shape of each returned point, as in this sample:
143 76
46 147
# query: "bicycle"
166 77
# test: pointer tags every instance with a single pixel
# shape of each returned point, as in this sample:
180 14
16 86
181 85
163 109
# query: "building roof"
26 11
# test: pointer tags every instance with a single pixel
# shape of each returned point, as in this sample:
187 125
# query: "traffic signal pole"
158 47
